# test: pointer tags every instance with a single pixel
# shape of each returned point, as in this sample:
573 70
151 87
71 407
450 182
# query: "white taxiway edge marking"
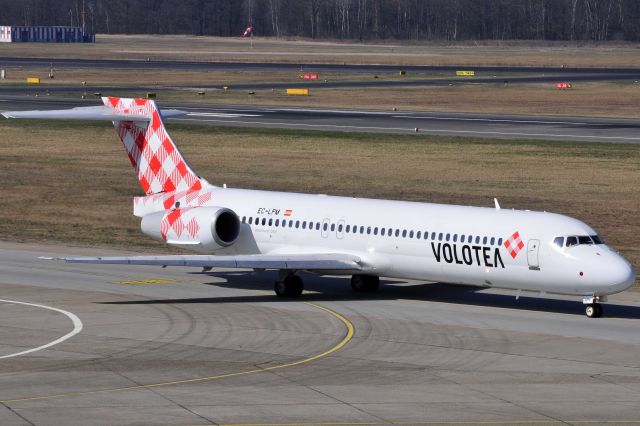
77 328
495 120
296 124
222 114
551 135
422 131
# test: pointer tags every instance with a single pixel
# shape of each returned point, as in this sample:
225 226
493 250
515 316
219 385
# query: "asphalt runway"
400 122
175 347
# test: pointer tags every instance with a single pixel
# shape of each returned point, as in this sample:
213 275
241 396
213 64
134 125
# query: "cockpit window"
582 240
559 241
572 241
585 239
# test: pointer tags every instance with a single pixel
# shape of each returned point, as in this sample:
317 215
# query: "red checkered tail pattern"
158 162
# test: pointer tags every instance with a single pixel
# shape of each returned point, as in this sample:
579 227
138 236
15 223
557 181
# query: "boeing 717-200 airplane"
364 238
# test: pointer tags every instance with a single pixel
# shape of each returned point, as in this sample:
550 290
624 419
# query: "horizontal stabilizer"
316 262
99 113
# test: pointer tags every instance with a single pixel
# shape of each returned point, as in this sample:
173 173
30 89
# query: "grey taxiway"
376 121
175 346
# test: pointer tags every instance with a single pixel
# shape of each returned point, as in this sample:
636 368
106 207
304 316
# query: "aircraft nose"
623 275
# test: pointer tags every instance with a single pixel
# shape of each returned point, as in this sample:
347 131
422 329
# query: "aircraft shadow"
330 289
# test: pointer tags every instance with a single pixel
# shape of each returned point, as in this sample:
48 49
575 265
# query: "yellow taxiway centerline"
347 337
145 282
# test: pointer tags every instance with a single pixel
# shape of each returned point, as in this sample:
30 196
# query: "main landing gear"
592 308
291 285
288 285
365 283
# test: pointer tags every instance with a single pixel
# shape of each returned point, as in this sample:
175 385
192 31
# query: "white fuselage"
423 241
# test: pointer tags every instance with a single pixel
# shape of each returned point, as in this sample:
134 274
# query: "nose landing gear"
593 309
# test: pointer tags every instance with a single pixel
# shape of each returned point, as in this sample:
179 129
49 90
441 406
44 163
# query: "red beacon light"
563 86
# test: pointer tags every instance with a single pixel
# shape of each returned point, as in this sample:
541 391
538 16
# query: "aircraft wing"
100 113
314 262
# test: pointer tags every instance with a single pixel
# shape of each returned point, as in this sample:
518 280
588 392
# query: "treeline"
596 20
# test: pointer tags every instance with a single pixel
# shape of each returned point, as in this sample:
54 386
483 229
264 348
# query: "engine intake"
208 228
225 227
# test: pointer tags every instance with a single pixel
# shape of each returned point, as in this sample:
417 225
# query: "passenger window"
433 236
277 222
243 219
493 240
250 220
375 231
397 232
325 226
572 241
382 232
270 222
264 221
389 232
333 227
440 236
297 224
368 230
500 242
462 238
419 234
455 238
426 235
448 237
484 241
284 223
340 228
304 224
404 233
559 241
477 239
317 226
410 234
362 229
348 228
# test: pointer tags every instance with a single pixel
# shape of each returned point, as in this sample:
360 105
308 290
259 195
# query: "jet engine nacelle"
206 228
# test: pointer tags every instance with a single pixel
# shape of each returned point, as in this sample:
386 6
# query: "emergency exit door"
533 249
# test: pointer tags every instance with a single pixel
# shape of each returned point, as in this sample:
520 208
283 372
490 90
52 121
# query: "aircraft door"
533 249
324 231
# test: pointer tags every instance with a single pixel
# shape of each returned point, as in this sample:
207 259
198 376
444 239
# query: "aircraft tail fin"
153 154
155 157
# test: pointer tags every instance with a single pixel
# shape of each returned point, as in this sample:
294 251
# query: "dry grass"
306 51
73 183
133 78
597 99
